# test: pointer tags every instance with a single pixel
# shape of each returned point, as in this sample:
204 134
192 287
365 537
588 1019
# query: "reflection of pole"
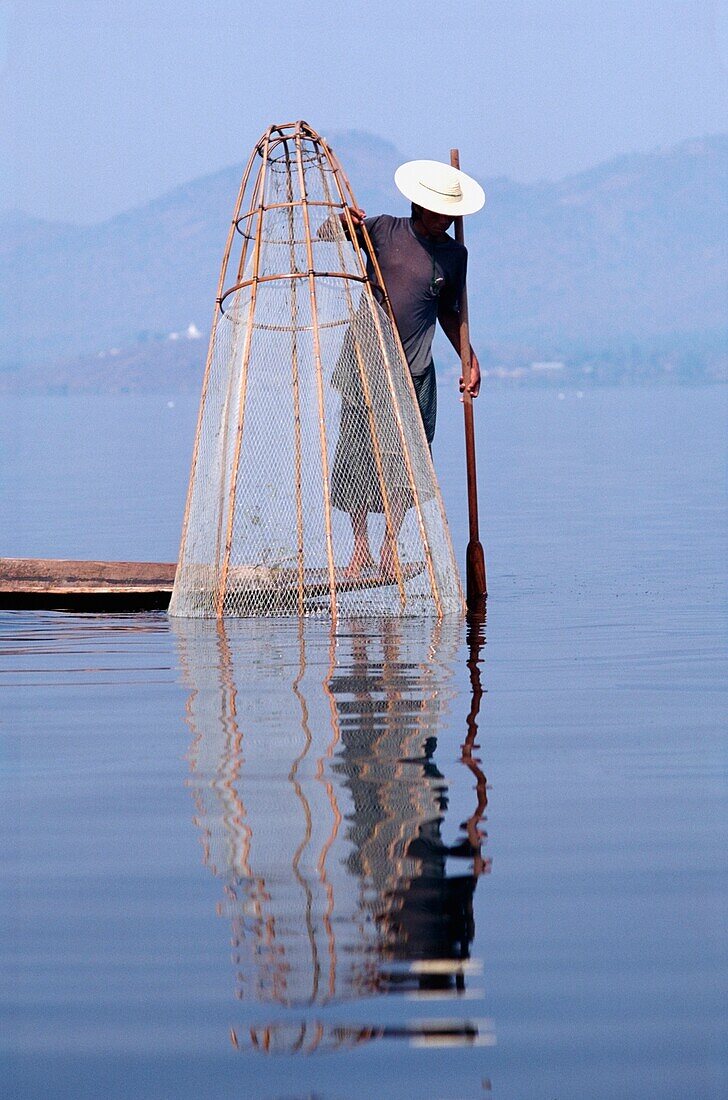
293 778
229 722
335 812
475 638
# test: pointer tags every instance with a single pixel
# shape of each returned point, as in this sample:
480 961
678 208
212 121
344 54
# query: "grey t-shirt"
420 275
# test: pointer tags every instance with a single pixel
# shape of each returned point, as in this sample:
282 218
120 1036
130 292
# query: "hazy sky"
107 103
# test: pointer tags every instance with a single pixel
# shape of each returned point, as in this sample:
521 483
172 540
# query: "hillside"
630 255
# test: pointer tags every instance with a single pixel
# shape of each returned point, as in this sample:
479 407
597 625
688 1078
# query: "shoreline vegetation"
160 364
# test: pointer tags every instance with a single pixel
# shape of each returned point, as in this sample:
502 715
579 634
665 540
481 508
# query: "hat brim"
409 179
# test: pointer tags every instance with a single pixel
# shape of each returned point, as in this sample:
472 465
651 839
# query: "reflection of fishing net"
318 801
308 417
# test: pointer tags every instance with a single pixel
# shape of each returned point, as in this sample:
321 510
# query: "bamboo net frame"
308 415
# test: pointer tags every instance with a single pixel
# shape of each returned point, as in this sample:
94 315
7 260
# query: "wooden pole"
476 589
297 460
223 578
298 139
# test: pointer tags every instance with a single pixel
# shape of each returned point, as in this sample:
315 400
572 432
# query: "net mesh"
308 420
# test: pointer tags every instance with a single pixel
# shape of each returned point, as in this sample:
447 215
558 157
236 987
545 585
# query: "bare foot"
387 559
361 559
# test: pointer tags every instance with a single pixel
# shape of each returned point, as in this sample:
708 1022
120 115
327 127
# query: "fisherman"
423 270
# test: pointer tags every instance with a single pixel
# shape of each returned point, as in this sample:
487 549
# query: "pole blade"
476 589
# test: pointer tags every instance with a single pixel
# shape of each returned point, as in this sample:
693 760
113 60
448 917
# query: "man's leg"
361 555
387 554
426 393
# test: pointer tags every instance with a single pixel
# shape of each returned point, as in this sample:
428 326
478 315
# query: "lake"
402 859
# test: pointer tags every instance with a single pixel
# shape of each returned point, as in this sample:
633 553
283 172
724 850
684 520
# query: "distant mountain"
629 254
636 247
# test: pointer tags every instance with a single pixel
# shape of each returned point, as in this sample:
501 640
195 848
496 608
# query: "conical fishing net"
308 418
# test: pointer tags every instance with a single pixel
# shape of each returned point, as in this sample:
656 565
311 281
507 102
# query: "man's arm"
450 323
327 231
357 217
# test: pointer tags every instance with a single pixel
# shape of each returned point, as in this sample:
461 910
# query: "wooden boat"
120 586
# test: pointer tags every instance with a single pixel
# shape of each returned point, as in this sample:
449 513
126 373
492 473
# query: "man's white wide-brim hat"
439 187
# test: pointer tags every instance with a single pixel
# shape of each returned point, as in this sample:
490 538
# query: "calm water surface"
401 860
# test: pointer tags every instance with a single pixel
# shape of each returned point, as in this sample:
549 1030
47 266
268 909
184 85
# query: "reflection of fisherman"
423 270
429 915
434 918
341 884
423 912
